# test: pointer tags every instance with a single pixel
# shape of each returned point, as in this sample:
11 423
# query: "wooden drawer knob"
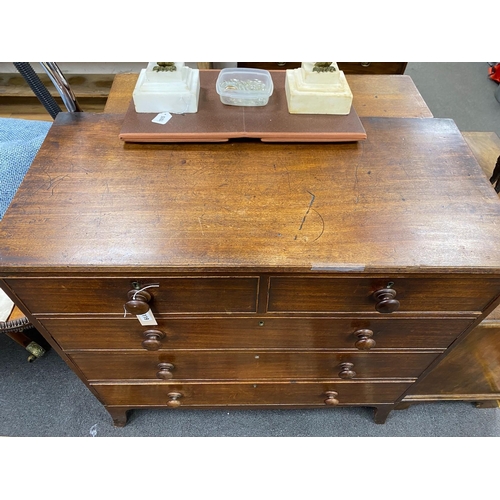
386 303
152 339
165 371
346 371
174 402
137 302
331 399
365 342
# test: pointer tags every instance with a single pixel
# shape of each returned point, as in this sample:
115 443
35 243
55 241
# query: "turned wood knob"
331 399
137 302
386 303
165 371
365 342
174 402
346 371
152 339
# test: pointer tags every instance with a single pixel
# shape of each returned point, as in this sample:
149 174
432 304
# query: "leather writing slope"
217 122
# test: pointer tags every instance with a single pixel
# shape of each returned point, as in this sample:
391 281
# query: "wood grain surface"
410 198
240 394
470 372
245 365
486 149
312 333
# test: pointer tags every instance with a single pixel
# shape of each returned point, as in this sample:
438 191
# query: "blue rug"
20 141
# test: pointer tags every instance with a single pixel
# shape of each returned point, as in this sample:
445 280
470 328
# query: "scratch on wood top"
313 197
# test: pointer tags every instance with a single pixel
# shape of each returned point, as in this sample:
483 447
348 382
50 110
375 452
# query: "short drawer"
358 294
256 365
262 394
256 333
108 295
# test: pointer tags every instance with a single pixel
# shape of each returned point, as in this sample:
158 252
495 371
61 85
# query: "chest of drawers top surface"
411 198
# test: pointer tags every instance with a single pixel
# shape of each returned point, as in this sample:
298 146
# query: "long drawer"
243 365
256 333
291 294
240 394
108 295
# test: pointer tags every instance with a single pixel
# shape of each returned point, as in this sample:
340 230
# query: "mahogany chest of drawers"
253 275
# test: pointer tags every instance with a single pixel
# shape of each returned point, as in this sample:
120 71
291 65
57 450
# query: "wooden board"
486 149
216 122
84 85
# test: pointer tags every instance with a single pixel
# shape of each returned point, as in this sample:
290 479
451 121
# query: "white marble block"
317 93
173 91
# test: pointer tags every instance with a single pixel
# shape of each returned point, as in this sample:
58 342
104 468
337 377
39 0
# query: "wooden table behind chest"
279 275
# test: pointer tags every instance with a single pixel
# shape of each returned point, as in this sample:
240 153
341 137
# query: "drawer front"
372 68
256 333
270 66
256 365
324 294
108 295
263 394
365 68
